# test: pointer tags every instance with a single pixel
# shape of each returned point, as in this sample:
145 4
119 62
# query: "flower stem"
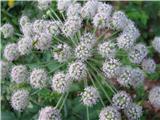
66 95
87 113
106 94
59 101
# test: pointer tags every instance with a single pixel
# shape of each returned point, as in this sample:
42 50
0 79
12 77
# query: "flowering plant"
81 47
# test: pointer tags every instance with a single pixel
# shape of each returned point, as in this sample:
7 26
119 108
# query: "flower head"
125 76
20 100
90 96
7 30
77 70
38 78
74 10
133 111
121 100
89 9
11 52
119 20
110 67
53 27
71 26
83 51
149 65
137 53
62 5
49 113
125 41
23 20
19 74
43 41
156 44
28 30
131 29
109 113
88 38
107 49
60 82
44 4
104 8
154 96
101 20
4 67
137 77
40 25
25 45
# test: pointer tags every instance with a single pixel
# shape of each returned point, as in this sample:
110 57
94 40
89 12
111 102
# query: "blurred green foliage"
145 14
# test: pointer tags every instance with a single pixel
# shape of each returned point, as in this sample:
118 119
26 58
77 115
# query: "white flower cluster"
156 44
107 49
43 41
149 65
11 52
138 53
125 76
20 100
44 4
154 97
89 9
110 67
62 5
133 111
137 77
7 30
125 41
103 15
83 52
109 113
60 82
49 113
77 70
19 74
4 67
24 20
90 96
72 26
37 34
38 78
74 10
88 39
25 45
119 20
121 100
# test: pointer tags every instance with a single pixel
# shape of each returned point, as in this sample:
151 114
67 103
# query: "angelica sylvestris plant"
81 44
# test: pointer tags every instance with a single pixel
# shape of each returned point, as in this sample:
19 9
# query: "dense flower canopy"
73 39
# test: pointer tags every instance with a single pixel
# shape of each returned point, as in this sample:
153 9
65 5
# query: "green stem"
55 15
106 94
98 72
87 113
58 39
64 101
62 15
19 35
35 92
59 101
56 68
